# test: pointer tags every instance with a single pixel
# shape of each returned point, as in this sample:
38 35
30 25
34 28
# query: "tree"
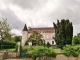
35 38
16 38
63 32
48 45
5 29
76 39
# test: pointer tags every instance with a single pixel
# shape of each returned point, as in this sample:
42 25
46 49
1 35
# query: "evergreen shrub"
8 44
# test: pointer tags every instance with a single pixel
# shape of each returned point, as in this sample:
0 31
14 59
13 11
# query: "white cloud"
40 13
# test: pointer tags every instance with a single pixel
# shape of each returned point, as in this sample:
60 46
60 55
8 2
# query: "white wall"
24 37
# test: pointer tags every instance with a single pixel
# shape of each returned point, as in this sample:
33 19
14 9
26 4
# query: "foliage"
54 47
24 48
48 45
26 43
40 51
20 48
10 50
75 54
16 38
76 39
5 29
74 50
35 38
63 32
16 47
8 44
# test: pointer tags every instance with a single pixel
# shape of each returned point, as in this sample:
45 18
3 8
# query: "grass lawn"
58 50
10 50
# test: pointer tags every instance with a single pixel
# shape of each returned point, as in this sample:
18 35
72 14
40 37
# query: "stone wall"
1 55
59 57
5 55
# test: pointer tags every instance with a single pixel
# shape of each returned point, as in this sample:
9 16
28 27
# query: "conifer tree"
63 32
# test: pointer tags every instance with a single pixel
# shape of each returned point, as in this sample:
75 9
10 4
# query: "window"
52 42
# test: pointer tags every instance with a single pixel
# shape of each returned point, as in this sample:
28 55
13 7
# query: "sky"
39 13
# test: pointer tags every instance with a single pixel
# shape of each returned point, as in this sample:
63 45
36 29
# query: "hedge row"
8 44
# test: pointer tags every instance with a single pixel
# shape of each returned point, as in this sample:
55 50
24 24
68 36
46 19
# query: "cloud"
12 19
40 13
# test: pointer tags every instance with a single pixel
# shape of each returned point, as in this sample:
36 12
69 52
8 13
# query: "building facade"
47 32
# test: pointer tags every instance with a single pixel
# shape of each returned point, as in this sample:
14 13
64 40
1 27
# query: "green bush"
54 47
26 43
48 45
35 52
67 53
8 44
20 48
24 48
50 53
75 54
74 50
16 47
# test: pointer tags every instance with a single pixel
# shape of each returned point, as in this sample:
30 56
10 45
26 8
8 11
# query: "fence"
7 46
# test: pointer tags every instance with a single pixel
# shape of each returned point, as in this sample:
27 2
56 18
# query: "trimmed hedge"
8 44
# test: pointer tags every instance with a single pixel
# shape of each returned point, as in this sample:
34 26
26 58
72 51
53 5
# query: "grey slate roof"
25 28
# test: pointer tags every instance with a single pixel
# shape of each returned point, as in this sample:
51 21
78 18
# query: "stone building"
47 32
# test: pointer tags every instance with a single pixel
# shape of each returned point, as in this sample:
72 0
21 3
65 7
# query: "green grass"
58 50
10 50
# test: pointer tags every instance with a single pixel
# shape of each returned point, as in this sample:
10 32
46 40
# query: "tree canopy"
63 32
5 29
76 39
35 38
16 38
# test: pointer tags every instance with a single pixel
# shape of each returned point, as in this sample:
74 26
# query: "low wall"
5 55
58 57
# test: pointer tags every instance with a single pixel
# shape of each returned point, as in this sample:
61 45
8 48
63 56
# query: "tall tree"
76 39
5 29
35 38
63 32
16 38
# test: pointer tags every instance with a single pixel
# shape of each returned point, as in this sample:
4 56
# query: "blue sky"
39 13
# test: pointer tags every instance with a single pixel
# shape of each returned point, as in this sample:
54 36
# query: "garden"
66 43
38 51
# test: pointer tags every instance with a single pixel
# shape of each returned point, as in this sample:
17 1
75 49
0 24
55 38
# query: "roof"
42 29
25 28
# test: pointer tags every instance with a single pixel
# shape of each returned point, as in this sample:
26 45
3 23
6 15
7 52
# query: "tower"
24 35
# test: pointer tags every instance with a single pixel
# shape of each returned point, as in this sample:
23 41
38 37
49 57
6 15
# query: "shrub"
75 54
40 51
71 50
26 43
20 48
54 47
16 47
48 45
24 48
8 44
